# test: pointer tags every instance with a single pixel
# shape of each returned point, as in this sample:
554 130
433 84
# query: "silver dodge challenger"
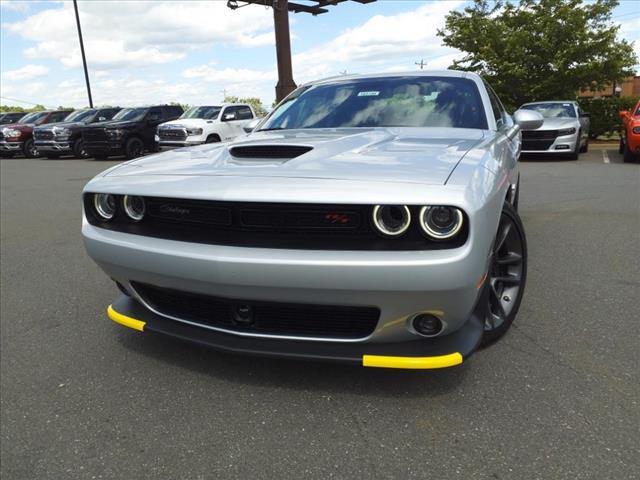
368 219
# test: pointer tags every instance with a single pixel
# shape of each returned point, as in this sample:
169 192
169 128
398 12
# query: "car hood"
187 122
383 154
51 126
114 124
558 123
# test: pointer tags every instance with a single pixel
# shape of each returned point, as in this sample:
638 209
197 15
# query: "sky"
193 52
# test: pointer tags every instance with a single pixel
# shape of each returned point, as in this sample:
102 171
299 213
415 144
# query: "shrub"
604 113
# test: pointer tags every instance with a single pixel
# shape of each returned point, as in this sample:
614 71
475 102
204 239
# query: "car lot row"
114 131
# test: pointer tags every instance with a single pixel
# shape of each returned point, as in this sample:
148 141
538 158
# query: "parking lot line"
605 156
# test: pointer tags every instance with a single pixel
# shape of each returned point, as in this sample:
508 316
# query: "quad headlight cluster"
437 222
106 206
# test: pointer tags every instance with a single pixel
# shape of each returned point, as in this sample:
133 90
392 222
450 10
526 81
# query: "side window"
58 116
499 112
244 113
107 114
230 114
155 114
171 112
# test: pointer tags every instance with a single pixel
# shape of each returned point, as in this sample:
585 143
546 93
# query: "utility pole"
421 63
84 58
285 84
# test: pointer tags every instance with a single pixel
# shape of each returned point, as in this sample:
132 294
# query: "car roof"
421 73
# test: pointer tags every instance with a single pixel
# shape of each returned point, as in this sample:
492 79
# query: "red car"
630 138
18 137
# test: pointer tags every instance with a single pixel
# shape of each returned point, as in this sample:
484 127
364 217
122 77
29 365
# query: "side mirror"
250 126
102 119
229 116
585 115
528 119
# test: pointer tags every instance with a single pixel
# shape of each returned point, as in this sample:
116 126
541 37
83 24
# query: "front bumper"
442 352
53 146
561 144
170 145
11 146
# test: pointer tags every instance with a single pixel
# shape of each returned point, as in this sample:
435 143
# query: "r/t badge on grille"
242 314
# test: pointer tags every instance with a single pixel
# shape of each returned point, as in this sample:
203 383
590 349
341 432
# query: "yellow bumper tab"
441 361
124 320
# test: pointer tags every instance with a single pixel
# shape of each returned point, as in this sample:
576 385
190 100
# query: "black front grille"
270 318
172 134
268 225
269 151
539 134
43 134
94 134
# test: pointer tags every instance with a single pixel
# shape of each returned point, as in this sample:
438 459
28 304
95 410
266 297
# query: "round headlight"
134 207
440 223
105 205
391 220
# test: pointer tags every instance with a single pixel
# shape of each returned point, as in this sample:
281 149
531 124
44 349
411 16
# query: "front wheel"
78 149
507 275
585 147
30 150
134 148
576 151
627 154
621 146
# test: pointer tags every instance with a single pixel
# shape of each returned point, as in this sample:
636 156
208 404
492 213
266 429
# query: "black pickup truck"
7 118
62 138
130 133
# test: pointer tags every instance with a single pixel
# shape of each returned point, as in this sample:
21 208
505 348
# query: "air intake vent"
269 151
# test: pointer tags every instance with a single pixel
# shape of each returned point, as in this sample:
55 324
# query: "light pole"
84 58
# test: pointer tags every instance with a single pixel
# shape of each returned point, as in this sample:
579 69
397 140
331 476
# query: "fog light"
134 207
427 325
562 147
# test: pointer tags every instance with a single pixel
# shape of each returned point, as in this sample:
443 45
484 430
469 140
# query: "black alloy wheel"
78 149
506 276
134 148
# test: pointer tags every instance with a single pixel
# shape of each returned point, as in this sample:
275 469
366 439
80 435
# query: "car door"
231 124
154 117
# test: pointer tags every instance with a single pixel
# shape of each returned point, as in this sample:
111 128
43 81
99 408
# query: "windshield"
206 113
33 117
80 116
131 114
552 110
383 102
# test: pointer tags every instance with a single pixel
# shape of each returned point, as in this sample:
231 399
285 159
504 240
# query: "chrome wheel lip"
506 273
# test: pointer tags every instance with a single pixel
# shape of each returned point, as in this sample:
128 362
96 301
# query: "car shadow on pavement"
294 374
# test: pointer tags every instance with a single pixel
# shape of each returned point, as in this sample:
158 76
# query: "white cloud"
211 73
15 5
27 72
121 34
380 42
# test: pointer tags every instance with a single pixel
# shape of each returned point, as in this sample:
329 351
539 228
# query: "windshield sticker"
368 94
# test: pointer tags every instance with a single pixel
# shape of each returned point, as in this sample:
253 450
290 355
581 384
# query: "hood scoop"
284 152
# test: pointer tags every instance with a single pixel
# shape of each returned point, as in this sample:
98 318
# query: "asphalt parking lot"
557 398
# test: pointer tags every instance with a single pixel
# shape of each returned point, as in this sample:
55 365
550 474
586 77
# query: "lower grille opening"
271 318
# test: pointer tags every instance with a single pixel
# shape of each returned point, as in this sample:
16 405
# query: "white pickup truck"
205 124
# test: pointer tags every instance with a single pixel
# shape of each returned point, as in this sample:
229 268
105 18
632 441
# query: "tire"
29 149
627 155
585 147
78 149
621 146
507 275
213 138
516 198
576 151
134 148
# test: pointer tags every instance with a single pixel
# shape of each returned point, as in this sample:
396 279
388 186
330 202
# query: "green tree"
539 49
255 102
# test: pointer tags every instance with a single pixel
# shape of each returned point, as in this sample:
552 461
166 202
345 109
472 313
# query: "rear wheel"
506 276
29 149
585 147
134 148
78 149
